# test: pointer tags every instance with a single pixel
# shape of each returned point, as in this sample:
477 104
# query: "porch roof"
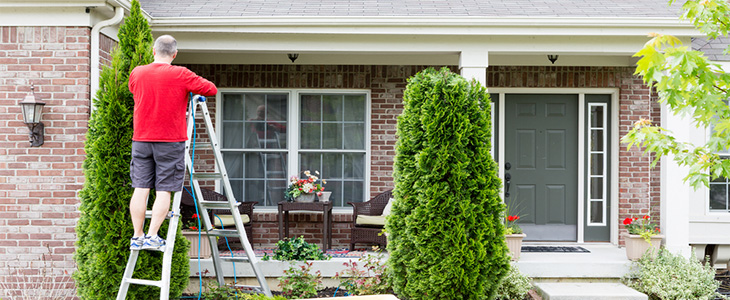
481 8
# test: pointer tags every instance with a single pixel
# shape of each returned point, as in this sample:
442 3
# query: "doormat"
555 249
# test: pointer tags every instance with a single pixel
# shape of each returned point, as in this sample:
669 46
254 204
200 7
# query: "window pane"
596 188
355 136
232 134
596 140
718 196
232 107
254 191
354 166
311 108
254 165
352 192
597 116
310 135
596 212
311 162
275 165
237 189
355 108
234 165
331 136
333 167
332 108
597 164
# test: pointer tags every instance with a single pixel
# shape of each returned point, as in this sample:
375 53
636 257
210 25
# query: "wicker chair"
187 209
371 234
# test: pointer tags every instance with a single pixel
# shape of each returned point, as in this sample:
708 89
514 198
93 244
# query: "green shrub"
297 249
514 286
373 280
670 276
299 282
105 227
446 232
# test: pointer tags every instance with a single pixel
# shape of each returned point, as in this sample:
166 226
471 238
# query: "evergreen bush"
105 226
446 236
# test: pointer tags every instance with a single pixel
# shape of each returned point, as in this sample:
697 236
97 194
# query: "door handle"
507 178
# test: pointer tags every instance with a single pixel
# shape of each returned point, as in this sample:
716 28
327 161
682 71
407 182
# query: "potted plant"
643 235
513 236
303 189
190 232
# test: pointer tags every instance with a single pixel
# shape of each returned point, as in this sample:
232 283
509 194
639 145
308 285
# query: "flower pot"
514 244
636 246
325 197
305 197
192 237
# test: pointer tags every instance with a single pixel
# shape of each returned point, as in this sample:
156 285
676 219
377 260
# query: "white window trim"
604 187
293 133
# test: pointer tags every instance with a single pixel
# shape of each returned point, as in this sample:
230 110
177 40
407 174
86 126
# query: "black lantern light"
32 111
293 56
552 58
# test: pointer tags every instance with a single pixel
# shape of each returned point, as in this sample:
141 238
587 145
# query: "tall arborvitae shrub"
446 237
105 226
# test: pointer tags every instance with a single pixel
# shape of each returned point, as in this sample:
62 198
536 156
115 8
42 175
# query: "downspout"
95 31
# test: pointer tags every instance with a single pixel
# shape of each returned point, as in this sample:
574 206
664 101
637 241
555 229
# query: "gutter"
95 31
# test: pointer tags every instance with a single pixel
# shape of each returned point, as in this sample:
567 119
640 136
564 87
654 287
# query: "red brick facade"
39 185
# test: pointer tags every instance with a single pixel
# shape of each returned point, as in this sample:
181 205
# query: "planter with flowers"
643 236
304 189
513 236
199 244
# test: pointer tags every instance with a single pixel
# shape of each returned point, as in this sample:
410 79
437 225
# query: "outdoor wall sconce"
32 110
552 58
293 56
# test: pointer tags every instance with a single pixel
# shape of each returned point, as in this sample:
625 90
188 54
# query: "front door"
541 164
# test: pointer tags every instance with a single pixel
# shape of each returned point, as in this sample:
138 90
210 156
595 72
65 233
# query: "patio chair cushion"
370 220
228 220
388 207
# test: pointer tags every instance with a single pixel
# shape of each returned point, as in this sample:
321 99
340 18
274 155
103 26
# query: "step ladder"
198 102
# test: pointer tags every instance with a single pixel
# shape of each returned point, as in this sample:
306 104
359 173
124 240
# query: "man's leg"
159 211
137 208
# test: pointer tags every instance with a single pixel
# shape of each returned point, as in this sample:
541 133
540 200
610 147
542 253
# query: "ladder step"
218 204
148 214
224 232
157 283
203 146
235 259
207 176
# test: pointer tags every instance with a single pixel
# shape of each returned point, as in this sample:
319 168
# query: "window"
597 153
331 136
718 198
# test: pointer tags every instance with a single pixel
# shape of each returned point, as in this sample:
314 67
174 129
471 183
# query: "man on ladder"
161 93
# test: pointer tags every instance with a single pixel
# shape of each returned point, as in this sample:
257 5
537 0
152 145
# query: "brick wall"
38 185
635 102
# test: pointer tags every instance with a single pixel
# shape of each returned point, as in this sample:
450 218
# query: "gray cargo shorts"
158 165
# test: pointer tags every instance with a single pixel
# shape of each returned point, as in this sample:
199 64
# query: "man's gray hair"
166 45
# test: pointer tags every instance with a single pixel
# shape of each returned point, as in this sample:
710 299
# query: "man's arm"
199 85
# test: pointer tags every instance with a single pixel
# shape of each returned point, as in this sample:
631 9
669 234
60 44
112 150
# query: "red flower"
195 216
646 217
628 221
657 229
513 218
193 228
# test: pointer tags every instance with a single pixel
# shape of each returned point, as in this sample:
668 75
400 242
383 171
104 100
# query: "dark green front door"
541 163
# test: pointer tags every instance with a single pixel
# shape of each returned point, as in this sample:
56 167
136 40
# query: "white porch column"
473 64
675 193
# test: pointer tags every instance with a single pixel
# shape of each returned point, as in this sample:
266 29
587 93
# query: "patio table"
324 207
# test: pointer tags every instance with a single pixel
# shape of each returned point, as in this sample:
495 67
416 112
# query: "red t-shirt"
161 94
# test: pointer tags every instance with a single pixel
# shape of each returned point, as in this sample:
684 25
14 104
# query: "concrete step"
587 291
